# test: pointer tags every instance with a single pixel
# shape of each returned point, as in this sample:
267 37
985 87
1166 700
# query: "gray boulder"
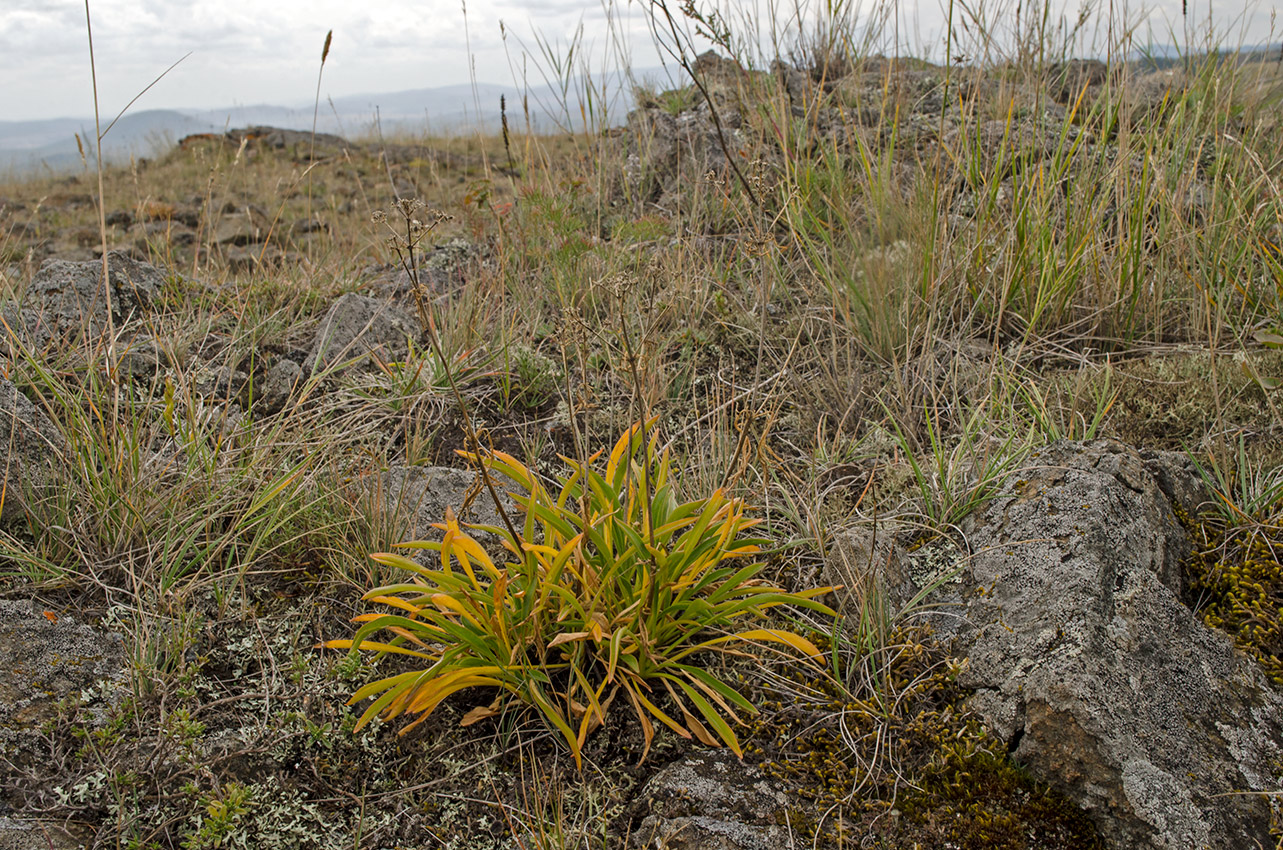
710 801
1085 659
30 447
668 152
67 298
357 328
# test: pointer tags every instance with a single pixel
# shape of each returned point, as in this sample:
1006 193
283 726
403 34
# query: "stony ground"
866 297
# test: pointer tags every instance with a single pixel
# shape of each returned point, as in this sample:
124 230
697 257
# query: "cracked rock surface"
1087 661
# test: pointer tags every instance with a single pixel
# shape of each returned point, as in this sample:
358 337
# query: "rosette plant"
610 589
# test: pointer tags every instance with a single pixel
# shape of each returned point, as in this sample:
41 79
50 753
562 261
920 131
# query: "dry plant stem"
102 219
316 104
681 60
409 262
644 410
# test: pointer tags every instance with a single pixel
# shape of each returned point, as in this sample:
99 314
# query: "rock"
710 801
441 270
250 257
142 360
152 235
1150 94
67 298
120 218
667 151
35 835
1066 80
1085 659
798 86
277 386
722 77
47 658
30 445
419 496
357 326
278 138
866 559
242 227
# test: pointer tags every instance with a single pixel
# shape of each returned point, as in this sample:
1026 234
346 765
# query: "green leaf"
1269 340
714 719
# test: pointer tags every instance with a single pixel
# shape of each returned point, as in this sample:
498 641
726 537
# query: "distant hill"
1163 56
27 146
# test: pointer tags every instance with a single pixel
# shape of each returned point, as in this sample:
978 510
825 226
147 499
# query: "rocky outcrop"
30 447
268 137
1087 662
357 328
670 149
710 801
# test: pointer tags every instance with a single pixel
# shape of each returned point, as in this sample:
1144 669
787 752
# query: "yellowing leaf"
781 636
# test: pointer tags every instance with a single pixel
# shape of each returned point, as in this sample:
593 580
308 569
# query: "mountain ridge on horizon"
50 143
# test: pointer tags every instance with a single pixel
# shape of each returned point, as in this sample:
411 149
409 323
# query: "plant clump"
610 588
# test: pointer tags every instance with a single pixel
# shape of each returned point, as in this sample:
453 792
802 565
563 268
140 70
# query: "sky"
247 52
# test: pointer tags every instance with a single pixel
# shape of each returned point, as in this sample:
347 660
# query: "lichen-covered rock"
1085 659
30 447
357 328
142 360
418 496
17 834
668 151
710 801
66 299
278 386
45 659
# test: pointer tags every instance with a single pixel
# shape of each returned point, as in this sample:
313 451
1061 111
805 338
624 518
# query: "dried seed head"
408 206
379 217
573 330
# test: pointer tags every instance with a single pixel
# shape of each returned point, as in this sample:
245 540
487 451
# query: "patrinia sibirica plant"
610 590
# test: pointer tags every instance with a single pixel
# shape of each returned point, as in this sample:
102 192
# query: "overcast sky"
247 52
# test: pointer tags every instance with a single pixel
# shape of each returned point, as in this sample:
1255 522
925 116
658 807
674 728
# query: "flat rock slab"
1085 659
46 659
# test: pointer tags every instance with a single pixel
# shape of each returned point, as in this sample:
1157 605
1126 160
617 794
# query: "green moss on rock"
905 761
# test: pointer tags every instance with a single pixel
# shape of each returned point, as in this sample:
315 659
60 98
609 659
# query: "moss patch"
1237 584
900 760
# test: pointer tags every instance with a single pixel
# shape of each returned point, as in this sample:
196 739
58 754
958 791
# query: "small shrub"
611 588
